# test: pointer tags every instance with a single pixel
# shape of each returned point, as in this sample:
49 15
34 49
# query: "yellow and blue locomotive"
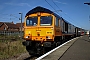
43 29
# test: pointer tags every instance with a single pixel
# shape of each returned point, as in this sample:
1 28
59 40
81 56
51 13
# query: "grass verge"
11 48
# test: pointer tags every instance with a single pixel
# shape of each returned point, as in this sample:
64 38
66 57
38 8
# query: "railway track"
30 58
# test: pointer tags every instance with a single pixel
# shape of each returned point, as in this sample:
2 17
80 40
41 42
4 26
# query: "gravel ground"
19 57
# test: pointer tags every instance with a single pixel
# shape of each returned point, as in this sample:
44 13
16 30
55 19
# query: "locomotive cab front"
39 27
40 31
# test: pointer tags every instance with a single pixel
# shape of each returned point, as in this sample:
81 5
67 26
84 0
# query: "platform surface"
77 49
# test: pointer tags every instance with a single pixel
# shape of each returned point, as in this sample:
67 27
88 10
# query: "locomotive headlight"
27 37
48 37
38 14
52 28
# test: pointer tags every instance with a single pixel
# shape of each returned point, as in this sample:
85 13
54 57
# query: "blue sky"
74 11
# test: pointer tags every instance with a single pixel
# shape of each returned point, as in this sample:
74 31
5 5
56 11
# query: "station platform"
77 49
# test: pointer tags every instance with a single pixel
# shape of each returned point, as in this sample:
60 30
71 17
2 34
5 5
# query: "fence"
10 33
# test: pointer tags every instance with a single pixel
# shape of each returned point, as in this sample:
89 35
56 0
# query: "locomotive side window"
31 21
46 20
63 26
57 22
69 28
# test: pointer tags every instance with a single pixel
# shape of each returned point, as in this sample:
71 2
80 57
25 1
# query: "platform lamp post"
88 3
21 25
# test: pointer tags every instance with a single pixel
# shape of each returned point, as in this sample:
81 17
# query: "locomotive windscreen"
46 20
31 21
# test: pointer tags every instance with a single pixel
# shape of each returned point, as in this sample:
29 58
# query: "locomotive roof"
45 10
41 9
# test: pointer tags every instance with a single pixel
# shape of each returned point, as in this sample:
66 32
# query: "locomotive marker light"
38 14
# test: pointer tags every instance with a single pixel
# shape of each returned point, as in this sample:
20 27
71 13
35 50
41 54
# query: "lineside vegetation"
10 46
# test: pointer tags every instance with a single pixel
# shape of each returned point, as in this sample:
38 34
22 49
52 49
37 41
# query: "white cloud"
18 4
59 2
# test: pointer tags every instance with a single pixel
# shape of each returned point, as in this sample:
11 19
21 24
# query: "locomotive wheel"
30 50
35 51
53 44
58 43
